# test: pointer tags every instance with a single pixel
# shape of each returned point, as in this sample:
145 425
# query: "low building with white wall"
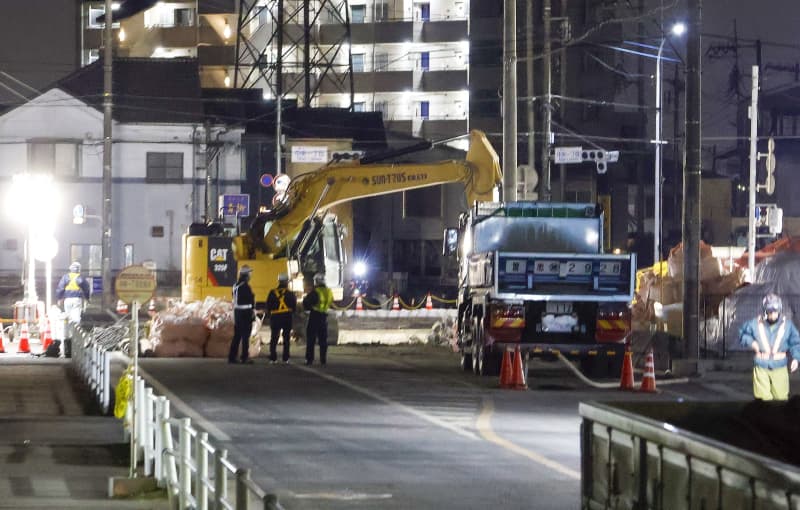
166 152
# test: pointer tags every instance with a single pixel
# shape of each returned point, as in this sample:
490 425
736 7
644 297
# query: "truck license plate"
558 308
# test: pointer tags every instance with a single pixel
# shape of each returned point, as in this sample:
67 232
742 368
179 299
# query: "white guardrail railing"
195 473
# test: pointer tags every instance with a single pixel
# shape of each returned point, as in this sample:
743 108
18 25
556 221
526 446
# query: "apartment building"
408 58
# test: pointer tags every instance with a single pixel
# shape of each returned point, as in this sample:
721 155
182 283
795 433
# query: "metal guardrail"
195 473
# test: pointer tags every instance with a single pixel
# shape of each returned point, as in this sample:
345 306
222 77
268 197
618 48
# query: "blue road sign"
234 205
266 180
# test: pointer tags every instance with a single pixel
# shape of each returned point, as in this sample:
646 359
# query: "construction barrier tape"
387 304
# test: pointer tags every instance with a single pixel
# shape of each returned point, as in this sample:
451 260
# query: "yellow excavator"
299 238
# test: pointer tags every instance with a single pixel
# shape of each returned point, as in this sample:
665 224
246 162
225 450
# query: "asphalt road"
401 427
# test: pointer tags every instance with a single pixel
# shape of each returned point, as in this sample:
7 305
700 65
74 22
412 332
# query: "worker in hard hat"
281 304
772 337
317 303
243 316
72 293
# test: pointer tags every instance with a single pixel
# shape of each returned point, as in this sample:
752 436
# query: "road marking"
485 428
187 411
403 407
342 496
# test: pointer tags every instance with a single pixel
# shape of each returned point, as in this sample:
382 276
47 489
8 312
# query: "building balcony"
434 129
368 33
443 81
216 6
400 125
388 81
216 55
443 31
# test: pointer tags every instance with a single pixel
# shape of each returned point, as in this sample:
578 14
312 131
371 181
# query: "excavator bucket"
482 155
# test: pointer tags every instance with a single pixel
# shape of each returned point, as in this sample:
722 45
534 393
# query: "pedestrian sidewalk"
55 451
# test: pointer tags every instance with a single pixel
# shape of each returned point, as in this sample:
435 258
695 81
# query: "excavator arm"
314 192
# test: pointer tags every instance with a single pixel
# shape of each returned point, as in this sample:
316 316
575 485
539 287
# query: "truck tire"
477 344
464 348
466 360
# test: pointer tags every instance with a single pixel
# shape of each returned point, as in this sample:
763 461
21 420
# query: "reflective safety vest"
325 299
763 339
73 282
280 293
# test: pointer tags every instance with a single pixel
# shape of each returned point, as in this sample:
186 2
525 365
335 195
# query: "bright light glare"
359 269
679 28
592 237
32 200
226 32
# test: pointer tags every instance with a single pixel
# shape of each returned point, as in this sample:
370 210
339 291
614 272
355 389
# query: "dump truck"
299 237
533 276
669 455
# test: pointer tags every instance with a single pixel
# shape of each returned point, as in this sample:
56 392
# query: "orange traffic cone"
506 372
359 304
2 339
626 378
396 303
24 345
47 337
649 377
429 302
518 372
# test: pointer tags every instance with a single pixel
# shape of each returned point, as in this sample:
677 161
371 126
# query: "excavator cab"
318 249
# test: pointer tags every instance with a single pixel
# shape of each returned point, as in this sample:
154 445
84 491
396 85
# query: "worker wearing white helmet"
72 292
243 315
281 304
317 303
772 337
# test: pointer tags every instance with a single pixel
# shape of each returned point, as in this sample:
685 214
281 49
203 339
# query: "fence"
195 473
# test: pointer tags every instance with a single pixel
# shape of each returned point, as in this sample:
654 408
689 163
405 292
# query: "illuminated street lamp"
30 201
678 29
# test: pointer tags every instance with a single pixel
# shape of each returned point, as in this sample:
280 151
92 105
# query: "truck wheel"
487 363
477 345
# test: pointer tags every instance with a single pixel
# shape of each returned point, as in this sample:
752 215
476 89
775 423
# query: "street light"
678 29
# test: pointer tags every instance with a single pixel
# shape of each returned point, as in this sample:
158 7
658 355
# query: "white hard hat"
283 277
75 267
245 270
319 279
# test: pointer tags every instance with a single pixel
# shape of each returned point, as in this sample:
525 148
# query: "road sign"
266 180
135 283
281 183
234 205
568 154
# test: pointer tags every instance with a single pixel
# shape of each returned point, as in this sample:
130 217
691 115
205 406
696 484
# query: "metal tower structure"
294 48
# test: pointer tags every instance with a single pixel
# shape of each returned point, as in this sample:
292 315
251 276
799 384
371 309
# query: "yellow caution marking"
485 429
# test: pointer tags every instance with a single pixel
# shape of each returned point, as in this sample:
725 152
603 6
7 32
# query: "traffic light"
599 158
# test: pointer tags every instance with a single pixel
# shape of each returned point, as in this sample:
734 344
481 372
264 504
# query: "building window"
424 110
157 231
184 17
381 11
164 167
425 60
93 12
358 62
359 106
127 254
422 11
89 256
358 13
60 159
381 62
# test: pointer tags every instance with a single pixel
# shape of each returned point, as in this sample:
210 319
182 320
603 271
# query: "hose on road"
608 385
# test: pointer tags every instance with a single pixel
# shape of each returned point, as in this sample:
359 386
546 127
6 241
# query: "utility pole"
562 90
105 247
691 189
531 121
546 192
510 101
751 191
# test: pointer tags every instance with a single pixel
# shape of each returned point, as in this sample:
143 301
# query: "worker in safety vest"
281 304
317 302
771 336
243 315
72 293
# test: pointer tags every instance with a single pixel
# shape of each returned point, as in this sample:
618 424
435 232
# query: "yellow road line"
484 426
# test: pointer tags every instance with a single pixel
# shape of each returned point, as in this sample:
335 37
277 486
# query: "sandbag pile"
199 329
664 284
